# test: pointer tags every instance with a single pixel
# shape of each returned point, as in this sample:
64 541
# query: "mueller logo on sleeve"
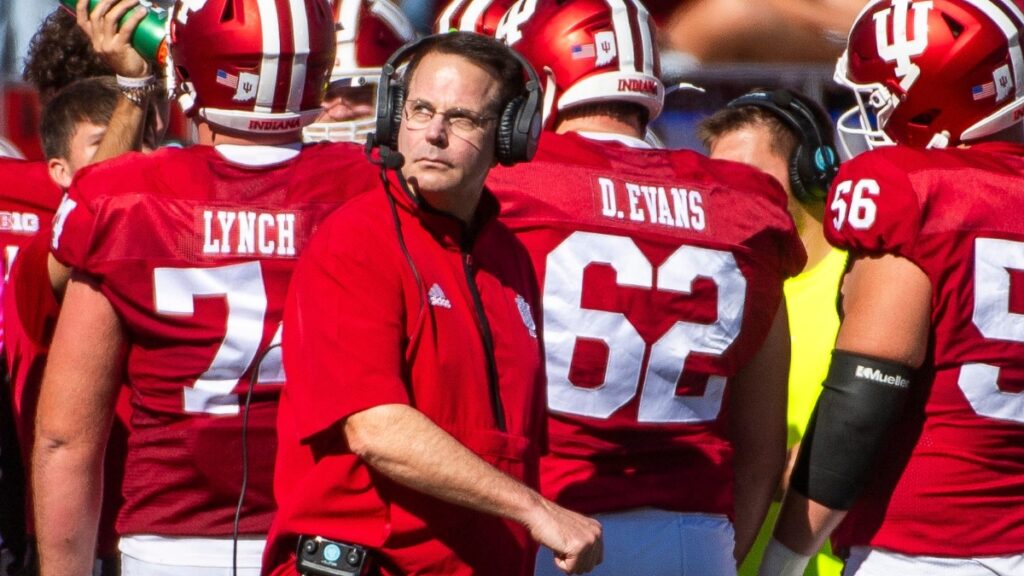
876 375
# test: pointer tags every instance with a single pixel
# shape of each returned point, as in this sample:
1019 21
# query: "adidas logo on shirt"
437 297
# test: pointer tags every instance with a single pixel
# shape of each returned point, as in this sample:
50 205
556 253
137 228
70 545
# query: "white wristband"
779 560
125 82
137 90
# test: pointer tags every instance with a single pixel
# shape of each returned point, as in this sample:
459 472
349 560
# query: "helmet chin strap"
549 98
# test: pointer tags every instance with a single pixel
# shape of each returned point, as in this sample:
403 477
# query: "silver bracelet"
137 90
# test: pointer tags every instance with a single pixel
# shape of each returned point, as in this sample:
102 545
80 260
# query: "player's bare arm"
882 319
72 424
406 446
112 41
127 124
758 431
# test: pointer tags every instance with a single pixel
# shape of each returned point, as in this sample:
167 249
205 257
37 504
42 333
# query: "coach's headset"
519 123
814 162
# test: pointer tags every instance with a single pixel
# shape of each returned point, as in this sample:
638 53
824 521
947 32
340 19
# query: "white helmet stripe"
1008 114
645 36
1012 32
623 35
300 49
629 60
474 11
269 24
346 29
393 16
444 22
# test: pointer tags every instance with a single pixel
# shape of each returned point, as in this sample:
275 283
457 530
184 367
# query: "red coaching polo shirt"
396 303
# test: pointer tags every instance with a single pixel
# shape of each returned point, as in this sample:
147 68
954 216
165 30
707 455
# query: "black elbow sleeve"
861 399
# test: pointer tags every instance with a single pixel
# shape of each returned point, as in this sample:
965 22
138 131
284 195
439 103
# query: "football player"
914 457
60 53
367 32
181 263
73 126
27 202
664 330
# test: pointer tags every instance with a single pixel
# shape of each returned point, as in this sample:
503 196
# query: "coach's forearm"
406 446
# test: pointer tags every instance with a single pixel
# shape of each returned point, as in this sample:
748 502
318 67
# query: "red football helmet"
480 16
367 32
591 51
252 66
933 73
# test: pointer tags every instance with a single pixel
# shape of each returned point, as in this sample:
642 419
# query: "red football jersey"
195 254
28 200
661 272
950 480
30 312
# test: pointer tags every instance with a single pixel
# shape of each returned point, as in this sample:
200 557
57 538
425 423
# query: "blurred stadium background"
721 81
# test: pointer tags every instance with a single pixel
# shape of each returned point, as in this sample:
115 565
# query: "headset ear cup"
397 104
826 166
506 149
800 177
815 170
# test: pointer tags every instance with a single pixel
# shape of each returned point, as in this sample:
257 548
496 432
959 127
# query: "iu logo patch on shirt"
527 314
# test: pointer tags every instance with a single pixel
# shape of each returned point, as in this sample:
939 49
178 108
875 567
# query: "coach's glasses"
461 122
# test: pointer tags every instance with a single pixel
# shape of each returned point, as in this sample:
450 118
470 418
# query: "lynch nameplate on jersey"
646 203
230 232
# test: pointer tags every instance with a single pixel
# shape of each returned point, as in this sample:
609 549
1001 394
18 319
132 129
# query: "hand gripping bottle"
150 37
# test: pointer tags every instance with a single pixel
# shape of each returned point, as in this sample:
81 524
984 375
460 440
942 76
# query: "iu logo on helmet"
899 48
188 7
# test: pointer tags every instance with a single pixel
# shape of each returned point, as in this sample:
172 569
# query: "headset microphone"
392 159
389 159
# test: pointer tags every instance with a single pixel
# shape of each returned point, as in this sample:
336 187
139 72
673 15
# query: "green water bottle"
150 37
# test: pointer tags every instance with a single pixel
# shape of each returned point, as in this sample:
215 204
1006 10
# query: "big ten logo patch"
19 222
